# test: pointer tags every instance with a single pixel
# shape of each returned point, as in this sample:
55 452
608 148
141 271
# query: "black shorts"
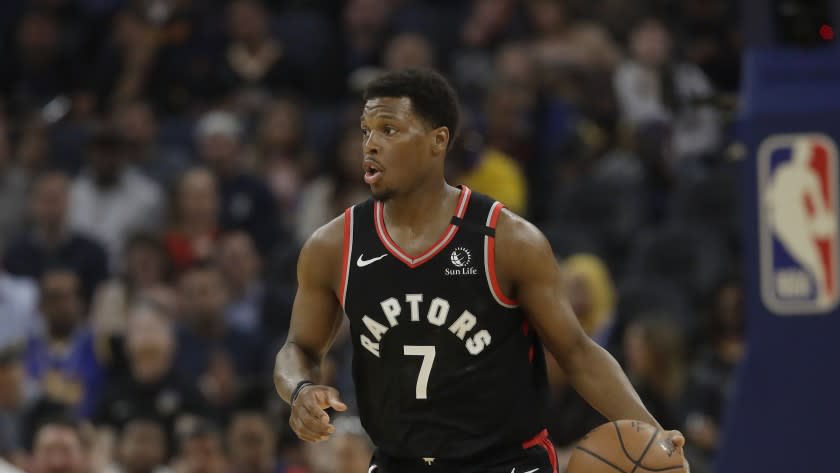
536 456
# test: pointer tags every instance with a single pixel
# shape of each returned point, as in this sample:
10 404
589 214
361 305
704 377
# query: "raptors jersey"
445 365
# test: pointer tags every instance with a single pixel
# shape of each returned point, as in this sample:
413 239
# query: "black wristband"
298 388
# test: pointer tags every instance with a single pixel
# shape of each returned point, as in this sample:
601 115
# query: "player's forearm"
292 366
600 380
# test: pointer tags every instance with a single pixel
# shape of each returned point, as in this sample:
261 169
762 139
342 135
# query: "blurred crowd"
162 161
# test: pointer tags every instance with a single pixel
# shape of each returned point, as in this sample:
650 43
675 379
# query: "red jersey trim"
490 260
542 440
345 260
445 239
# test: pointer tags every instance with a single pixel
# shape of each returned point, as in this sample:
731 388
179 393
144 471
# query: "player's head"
409 122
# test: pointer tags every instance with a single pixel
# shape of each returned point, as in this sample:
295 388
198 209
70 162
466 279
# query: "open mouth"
372 172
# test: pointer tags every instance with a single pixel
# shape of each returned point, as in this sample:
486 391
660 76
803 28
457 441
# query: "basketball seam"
621 441
599 457
644 452
659 470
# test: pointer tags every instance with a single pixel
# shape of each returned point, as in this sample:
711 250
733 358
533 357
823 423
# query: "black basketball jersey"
445 365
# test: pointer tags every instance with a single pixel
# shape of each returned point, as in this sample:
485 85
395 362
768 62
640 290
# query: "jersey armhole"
345 260
490 259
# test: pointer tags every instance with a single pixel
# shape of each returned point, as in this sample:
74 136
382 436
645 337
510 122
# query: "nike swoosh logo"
529 471
363 262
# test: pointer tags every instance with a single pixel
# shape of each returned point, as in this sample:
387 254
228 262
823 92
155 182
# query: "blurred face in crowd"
142 446
515 64
49 200
61 302
352 454
203 295
251 443
136 123
650 43
4 144
37 37
11 384
198 198
106 163
58 449
247 21
239 260
204 454
220 151
150 344
281 125
408 51
365 16
547 16
145 263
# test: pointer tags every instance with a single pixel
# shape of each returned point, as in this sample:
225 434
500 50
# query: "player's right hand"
309 419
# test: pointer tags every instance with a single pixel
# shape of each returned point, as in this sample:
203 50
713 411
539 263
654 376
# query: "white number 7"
428 354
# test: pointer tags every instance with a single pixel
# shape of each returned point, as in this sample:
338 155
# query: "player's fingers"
305 433
314 410
315 419
335 401
676 438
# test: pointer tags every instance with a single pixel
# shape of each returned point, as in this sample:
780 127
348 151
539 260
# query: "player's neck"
423 205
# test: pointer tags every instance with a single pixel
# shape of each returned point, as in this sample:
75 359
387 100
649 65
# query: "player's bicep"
315 314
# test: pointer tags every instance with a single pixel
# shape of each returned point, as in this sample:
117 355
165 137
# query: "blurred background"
162 161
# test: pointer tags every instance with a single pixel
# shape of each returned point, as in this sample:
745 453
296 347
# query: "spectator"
246 201
253 444
239 261
15 396
193 236
591 295
62 359
282 153
60 447
351 445
51 243
138 126
712 376
13 184
653 350
653 87
202 450
141 447
254 63
409 51
18 307
110 201
218 356
151 387
365 27
336 189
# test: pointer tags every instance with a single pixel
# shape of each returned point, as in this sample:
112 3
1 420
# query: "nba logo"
798 213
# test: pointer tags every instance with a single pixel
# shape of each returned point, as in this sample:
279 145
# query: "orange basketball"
627 446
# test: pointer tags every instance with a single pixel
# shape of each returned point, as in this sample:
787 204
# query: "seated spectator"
192 237
135 120
246 202
50 242
13 186
201 449
337 188
409 51
111 201
62 359
241 264
151 387
60 447
216 355
653 350
141 447
653 87
711 377
18 309
253 444
15 397
282 153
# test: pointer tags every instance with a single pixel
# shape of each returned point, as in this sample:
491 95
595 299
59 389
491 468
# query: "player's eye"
389 130
365 132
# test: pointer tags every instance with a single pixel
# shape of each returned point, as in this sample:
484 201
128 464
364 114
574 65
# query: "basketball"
626 446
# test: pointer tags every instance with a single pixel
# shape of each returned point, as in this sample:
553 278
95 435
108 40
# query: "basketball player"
450 299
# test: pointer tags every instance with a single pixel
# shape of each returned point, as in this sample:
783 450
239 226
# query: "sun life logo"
460 257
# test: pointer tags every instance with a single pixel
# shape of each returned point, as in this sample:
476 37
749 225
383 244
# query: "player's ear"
440 139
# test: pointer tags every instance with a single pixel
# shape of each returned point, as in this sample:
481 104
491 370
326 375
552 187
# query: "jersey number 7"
428 354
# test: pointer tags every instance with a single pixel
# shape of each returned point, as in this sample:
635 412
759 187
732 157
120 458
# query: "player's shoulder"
519 242
322 252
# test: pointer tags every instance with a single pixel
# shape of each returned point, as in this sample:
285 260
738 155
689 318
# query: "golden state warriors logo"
798 213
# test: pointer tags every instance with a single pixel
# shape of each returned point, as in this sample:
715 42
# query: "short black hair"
432 97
